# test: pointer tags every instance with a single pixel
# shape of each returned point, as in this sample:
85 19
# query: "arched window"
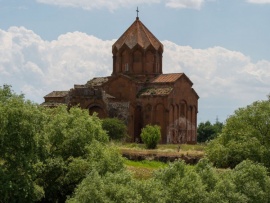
125 61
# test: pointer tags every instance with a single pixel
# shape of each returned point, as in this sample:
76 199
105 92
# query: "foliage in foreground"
150 136
248 182
52 155
246 135
45 153
20 125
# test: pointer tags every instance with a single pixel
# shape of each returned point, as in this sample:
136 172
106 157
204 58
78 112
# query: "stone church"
137 91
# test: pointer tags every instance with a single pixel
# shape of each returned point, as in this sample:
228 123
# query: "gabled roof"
170 78
138 33
167 78
57 94
155 91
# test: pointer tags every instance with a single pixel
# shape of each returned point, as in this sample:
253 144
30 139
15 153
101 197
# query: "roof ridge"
137 33
123 35
146 29
139 37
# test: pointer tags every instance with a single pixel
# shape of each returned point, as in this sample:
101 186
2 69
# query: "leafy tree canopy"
20 125
67 133
207 131
45 153
246 135
179 182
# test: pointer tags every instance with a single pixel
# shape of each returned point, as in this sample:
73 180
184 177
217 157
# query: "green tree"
111 187
252 181
20 124
246 135
103 158
206 131
69 132
59 177
51 177
225 190
150 190
181 183
69 138
119 187
115 128
150 136
208 175
248 182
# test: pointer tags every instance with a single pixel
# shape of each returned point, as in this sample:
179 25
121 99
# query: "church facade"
137 91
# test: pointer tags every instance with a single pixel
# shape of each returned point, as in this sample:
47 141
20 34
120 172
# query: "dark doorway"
98 110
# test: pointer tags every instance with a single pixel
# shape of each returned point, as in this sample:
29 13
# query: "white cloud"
218 72
36 67
113 5
195 4
259 1
224 79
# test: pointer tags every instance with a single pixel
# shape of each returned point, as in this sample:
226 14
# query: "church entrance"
101 113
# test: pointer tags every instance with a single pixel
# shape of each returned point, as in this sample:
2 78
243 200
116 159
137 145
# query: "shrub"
115 128
150 136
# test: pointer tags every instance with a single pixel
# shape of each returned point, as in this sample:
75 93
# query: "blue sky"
222 45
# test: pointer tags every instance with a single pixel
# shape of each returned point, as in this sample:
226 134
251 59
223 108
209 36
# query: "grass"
183 147
173 147
146 164
143 169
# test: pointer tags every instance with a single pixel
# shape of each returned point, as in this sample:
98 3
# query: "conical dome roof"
138 33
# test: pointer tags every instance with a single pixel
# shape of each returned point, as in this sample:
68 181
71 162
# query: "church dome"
138 34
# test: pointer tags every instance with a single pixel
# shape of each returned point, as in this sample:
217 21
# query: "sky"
223 46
